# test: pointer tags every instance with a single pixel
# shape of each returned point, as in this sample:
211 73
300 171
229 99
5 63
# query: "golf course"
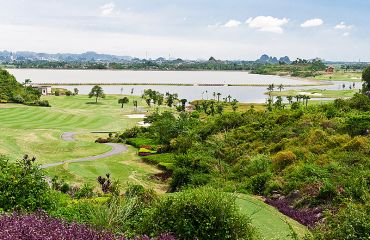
63 134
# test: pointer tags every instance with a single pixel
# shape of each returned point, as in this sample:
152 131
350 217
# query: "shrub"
328 191
284 159
22 186
360 102
350 223
69 93
102 140
40 103
257 183
130 133
146 152
41 226
87 191
296 106
202 213
357 144
18 99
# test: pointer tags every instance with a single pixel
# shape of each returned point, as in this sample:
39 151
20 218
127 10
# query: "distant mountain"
66 57
269 59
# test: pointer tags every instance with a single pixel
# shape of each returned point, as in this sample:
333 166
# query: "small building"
329 70
44 90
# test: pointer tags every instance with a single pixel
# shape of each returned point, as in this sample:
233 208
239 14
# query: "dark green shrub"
328 191
130 133
257 183
350 223
202 213
22 186
18 99
40 103
86 191
360 102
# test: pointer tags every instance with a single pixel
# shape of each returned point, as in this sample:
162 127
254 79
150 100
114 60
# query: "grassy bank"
341 76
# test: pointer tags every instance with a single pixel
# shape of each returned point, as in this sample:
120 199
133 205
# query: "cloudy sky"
225 29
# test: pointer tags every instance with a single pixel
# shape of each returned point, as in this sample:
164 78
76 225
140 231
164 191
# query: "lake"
248 94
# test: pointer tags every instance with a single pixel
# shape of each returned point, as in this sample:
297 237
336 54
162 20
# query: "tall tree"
123 101
218 97
281 87
97 92
366 79
290 99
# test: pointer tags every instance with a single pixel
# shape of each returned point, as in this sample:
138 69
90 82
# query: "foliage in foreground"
41 226
22 186
202 213
304 159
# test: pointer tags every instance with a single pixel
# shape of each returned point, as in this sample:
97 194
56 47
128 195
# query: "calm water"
243 94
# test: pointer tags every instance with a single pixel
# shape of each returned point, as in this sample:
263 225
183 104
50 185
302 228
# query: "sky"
190 29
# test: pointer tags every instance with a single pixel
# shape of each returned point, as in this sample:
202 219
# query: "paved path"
69 137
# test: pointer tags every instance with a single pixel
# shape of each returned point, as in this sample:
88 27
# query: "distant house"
329 70
44 90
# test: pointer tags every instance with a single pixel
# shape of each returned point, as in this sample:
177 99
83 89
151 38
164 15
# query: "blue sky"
226 29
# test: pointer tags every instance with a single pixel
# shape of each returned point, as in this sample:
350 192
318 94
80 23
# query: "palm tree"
298 97
281 87
290 99
218 97
229 97
212 108
27 82
270 89
306 98
214 95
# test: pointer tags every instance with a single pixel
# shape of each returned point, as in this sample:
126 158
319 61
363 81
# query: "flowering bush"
41 226
307 217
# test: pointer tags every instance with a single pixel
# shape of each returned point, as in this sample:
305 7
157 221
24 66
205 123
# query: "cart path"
69 137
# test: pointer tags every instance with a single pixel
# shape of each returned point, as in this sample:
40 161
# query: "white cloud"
107 9
343 26
312 23
232 24
267 24
346 34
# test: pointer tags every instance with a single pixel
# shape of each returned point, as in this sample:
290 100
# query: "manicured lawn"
36 131
341 76
126 167
270 223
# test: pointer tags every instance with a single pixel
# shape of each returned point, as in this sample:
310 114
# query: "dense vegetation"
175 65
298 68
110 214
311 162
12 91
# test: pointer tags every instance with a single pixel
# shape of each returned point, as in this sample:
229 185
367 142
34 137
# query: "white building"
45 90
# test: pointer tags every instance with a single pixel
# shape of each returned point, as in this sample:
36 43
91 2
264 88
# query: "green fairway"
37 131
126 167
341 76
270 223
